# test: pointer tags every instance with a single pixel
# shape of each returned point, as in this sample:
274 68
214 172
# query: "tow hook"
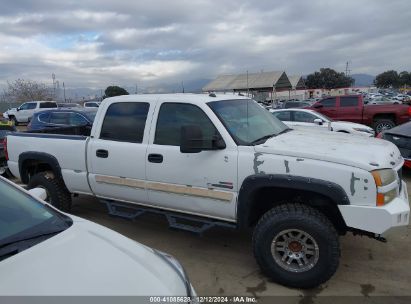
380 238
371 235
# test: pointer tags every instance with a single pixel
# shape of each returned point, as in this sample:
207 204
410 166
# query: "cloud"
99 43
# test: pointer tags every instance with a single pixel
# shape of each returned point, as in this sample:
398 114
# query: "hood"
350 124
88 259
357 151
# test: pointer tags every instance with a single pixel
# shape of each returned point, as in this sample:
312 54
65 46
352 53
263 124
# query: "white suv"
24 113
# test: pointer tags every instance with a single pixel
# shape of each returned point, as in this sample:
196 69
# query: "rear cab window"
348 101
125 122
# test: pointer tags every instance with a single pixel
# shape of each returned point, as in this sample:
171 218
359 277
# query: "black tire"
14 119
7 173
308 220
383 124
57 194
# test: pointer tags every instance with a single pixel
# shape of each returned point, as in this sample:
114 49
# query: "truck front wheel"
14 119
57 194
296 246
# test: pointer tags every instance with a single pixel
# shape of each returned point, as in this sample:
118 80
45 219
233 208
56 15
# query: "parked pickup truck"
224 158
24 113
352 108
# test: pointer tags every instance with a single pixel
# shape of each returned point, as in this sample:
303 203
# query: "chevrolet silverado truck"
224 158
352 108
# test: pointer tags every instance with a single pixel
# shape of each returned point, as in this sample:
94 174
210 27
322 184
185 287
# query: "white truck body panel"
208 183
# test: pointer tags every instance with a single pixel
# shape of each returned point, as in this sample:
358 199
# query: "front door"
25 111
328 107
203 183
117 155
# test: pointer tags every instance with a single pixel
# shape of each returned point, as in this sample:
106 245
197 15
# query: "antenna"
347 68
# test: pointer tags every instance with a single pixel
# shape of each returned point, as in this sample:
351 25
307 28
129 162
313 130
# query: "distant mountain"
363 80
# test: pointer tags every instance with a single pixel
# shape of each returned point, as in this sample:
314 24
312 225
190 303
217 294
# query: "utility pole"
248 89
136 88
182 85
64 90
53 76
347 68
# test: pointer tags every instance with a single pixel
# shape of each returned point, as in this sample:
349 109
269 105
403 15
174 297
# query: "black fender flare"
253 183
38 156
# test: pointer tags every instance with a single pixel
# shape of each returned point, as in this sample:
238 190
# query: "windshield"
246 121
323 117
91 115
23 217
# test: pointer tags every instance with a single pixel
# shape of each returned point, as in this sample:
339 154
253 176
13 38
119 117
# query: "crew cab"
352 108
23 113
225 158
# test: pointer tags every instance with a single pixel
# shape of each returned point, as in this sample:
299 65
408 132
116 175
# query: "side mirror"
192 140
318 121
17 109
39 193
318 106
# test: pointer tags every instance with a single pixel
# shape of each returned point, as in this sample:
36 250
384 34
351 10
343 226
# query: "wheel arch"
322 195
34 162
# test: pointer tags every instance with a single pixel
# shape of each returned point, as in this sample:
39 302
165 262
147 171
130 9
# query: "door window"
44 117
328 102
173 116
28 106
59 118
283 115
76 119
47 105
304 117
348 101
125 121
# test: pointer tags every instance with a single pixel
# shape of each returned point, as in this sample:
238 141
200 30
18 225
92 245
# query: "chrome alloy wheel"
295 250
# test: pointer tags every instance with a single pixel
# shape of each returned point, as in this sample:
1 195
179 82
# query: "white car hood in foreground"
348 125
357 151
88 259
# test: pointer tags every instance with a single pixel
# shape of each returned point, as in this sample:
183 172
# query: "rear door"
117 154
349 109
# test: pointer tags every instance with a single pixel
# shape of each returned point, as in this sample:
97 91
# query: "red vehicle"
352 108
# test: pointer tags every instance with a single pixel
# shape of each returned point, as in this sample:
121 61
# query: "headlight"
169 259
384 177
385 180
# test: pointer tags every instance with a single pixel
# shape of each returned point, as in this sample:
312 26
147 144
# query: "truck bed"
73 165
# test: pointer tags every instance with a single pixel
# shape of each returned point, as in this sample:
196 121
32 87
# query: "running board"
176 221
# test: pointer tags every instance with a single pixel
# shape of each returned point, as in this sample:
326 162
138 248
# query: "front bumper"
379 219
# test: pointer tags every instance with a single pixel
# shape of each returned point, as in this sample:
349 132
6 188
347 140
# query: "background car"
6 127
401 137
382 100
23 113
68 105
38 242
311 119
92 104
61 118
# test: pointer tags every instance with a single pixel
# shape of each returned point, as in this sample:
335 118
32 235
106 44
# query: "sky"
93 44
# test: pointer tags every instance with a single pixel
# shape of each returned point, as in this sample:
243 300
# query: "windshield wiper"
285 131
28 238
263 138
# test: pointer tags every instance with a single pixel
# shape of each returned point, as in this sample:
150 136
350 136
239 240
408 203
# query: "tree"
328 78
387 79
25 90
405 78
114 91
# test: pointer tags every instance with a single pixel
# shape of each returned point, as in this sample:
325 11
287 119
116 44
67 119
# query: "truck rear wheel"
296 246
383 124
57 194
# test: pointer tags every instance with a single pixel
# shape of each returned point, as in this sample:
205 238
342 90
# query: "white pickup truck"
225 158
23 113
